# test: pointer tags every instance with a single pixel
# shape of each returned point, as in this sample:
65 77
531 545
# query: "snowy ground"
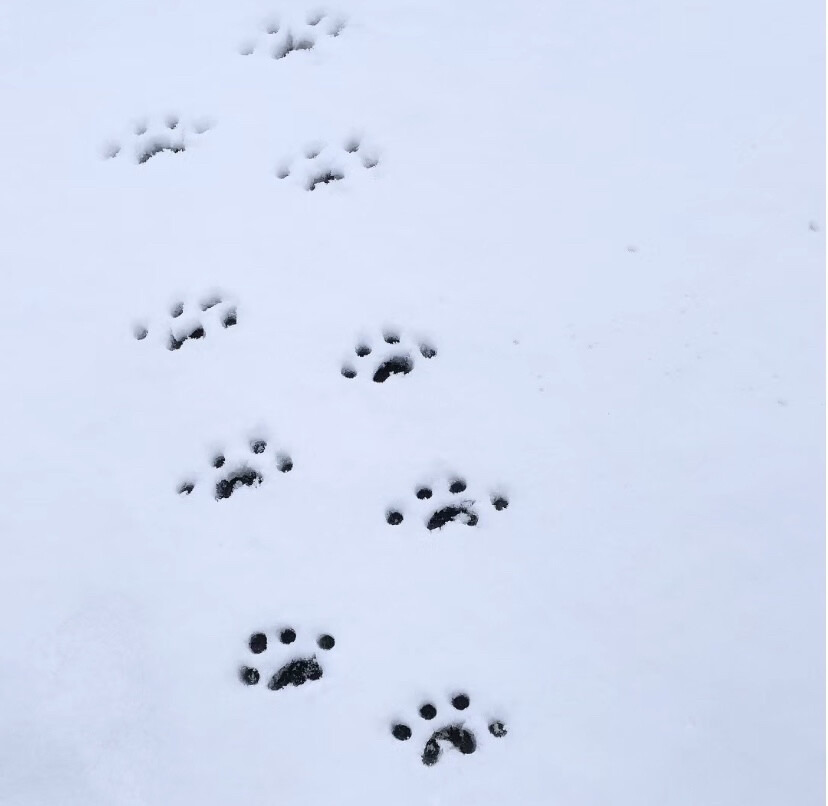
605 221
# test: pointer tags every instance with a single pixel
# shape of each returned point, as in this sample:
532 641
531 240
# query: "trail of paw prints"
149 138
291 667
189 321
323 164
453 504
247 468
394 356
280 37
455 732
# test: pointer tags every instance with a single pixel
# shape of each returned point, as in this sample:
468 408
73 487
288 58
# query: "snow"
608 222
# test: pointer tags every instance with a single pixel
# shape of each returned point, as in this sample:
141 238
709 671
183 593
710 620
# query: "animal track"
457 508
295 671
191 320
249 471
150 139
281 38
322 164
397 358
454 733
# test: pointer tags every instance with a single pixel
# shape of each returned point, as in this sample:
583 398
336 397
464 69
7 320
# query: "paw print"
280 38
457 507
150 139
295 671
323 164
191 320
454 733
395 357
249 471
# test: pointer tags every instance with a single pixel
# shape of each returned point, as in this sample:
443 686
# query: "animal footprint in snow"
295 668
191 321
280 38
453 733
248 470
322 164
150 139
456 507
394 357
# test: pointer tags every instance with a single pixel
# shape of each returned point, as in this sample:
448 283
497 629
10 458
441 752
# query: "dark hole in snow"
296 673
457 486
497 729
424 493
428 711
456 735
186 488
460 702
393 517
245 477
325 179
230 319
258 643
401 732
463 513
287 636
284 464
500 503
258 446
326 642
158 147
396 365
249 676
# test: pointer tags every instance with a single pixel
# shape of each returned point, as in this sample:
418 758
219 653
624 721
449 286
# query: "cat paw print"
455 732
395 356
150 138
455 505
281 37
248 469
325 164
292 668
189 320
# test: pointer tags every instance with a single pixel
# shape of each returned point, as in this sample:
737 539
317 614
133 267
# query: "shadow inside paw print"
324 165
454 734
190 321
295 672
459 510
396 359
248 472
280 38
151 139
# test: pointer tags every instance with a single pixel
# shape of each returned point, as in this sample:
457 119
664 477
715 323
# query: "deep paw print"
281 37
150 138
249 470
396 356
455 733
454 506
294 668
325 164
190 320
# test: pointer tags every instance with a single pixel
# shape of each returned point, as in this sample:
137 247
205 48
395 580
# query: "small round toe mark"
500 503
428 711
401 732
391 337
177 310
427 351
457 486
140 333
249 676
258 446
186 488
423 493
394 518
348 372
287 636
497 729
218 461
362 350
460 702
284 464
325 641
258 643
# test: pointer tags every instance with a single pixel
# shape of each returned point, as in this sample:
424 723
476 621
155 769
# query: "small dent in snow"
150 139
322 164
396 359
248 470
295 669
455 734
451 509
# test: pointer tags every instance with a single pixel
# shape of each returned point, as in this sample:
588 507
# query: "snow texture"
597 230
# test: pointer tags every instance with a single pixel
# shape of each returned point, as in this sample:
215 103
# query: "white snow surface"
608 221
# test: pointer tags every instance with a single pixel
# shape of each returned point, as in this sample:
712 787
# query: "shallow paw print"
454 732
189 320
279 37
395 355
287 666
148 139
449 502
322 164
249 468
